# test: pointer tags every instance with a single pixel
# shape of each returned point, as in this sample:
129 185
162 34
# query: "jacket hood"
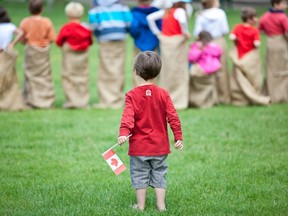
212 13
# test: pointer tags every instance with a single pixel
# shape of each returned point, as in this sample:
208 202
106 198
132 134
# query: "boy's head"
205 37
179 3
74 10
207 4
4 18
144 2
279 4
147 65
248 14
35 6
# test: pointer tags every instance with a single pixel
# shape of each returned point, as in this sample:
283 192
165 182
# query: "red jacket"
147 111
76 35
171 26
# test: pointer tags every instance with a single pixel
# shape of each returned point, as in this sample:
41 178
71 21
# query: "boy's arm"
127 121
225 26
233 36
181 16
60 38
19 34
151 19
257 40
194 53
173 120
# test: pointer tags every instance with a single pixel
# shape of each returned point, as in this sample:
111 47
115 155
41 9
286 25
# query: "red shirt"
246 35
76 35
274 23
170 26
147 111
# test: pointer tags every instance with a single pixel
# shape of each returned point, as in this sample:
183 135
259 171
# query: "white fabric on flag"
114 161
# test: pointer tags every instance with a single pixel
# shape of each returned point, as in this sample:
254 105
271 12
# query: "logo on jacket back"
148 93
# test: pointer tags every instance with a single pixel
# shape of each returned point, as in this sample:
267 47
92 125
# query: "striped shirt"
110 23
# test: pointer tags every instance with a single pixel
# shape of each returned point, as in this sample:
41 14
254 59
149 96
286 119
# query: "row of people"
170 26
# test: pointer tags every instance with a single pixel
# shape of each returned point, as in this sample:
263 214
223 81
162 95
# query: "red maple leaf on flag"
114 162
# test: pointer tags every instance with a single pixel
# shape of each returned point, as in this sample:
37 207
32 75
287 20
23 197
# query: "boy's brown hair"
205 37
147 65
273 2
35 6
143 1
208 3
4 18
248 13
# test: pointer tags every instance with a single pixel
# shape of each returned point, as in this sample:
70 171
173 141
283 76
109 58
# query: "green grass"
234 161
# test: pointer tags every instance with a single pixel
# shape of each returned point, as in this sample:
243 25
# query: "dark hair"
273 2
35 6
147 65
179 5
248 13
4 18
208 3
205 37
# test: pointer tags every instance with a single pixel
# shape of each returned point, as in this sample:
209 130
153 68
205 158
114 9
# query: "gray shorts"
148 171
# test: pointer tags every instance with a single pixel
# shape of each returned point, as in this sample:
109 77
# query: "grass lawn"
234 161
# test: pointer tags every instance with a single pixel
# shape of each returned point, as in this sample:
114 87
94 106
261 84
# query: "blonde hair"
74 10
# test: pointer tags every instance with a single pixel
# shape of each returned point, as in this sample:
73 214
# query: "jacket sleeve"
173 120
194 53
127 121
60 38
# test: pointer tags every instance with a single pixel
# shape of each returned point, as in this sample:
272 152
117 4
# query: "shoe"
135 207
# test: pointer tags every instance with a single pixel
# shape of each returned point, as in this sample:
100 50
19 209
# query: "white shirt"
179 15
212 20
6 34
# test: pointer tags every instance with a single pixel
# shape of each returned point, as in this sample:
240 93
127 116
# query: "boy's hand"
179 145
122 139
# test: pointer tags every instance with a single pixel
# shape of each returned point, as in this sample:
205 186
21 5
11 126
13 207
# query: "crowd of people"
195 75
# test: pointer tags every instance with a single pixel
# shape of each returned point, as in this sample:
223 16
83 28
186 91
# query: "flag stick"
116 144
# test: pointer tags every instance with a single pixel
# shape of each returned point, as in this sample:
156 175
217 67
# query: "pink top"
207 58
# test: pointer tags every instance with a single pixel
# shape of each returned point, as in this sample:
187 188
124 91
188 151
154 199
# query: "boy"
147 110
75 38
144 39
246 79
174 50
10 97
204 59
274 24
214 20
110 20
38 34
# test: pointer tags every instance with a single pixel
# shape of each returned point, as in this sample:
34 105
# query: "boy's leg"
141 197
160 198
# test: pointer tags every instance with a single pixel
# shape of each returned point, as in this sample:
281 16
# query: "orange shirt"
38 31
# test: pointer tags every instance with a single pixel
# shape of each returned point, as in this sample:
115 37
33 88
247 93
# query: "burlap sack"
111 74
277 68
222 76
75 77
246 79
10 97
202 88
38 85
174 76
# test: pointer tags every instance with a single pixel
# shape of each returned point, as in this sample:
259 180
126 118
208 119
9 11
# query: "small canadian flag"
114 161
